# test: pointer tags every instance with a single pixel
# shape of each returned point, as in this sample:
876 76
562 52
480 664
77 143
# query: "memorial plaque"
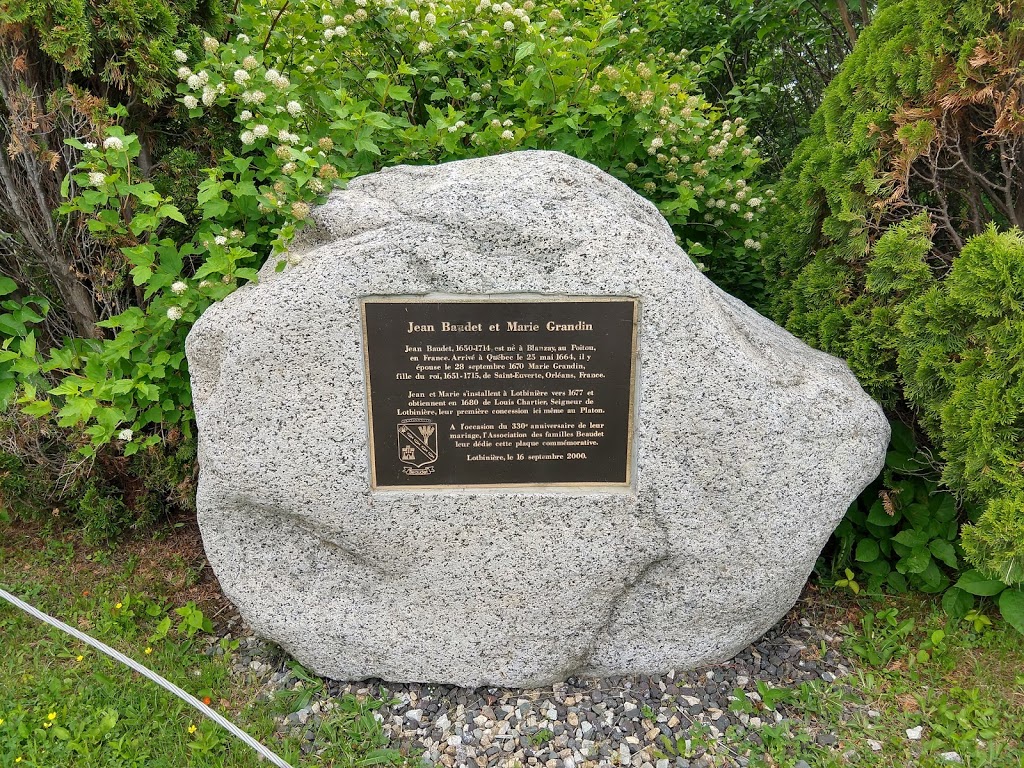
500 392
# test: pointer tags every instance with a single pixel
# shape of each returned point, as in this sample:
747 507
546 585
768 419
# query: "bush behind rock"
312 94
897 244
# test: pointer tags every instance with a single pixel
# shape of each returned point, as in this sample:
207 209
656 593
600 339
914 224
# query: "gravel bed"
622 721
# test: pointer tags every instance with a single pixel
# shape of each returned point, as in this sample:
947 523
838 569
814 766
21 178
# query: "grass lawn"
922 692
64 704
154 599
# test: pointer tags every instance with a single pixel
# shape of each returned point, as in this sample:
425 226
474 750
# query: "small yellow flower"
191 728
79 657
17 759
118 606
149 651
52 716
1 721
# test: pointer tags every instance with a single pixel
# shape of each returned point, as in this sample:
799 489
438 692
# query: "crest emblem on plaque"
417 446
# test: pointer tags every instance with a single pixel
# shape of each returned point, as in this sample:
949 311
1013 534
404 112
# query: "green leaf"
918 515
911 538
1011 605
945 551
524 49
76 410
7 389
28 345
171 212
141 275
11 326
879 567
916 562
365 145
932 580
7 286
867 551
878 516
943 507
38 408
956 602
161 631
976 583
215 208
900 462
903 439
897 581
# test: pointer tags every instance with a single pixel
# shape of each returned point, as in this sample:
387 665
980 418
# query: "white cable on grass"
162 682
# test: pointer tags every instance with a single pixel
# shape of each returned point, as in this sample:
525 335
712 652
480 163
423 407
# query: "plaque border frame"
519 298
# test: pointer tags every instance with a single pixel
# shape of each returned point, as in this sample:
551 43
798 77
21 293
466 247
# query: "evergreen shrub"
897 245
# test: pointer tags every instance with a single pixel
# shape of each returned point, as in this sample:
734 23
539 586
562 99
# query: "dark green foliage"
42 478
901 533
119 50
103 513
896 246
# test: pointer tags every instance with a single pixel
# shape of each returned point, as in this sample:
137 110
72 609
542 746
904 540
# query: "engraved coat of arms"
417 445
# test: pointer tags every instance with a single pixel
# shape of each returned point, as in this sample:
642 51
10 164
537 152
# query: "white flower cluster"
179 56
96 179
276 79
210 94
112 142
254 97
125 435
174 313
198 80
179 287
294 108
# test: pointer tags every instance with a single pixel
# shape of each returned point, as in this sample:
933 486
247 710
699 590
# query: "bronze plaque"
500 392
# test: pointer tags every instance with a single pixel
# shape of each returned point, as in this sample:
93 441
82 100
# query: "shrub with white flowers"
329 89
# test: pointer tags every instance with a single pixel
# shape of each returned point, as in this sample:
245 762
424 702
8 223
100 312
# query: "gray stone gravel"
580 723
